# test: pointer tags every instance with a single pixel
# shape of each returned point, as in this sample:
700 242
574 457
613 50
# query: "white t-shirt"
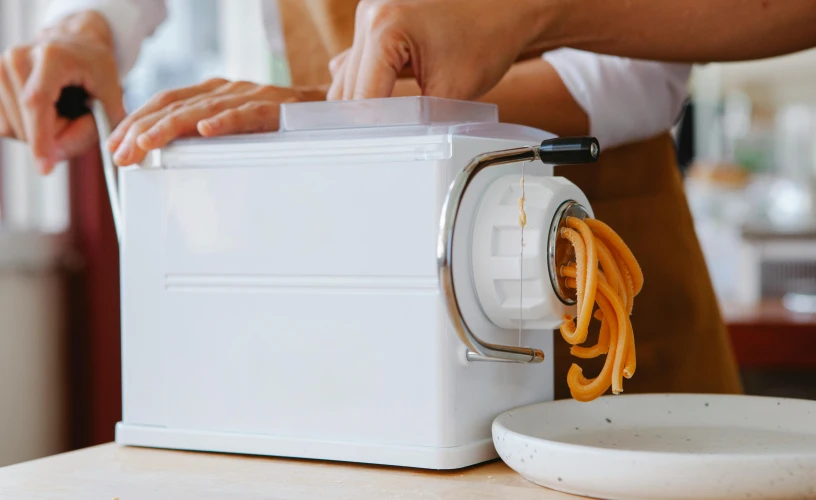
625 99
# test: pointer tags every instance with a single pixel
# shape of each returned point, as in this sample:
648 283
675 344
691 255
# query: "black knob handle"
569 150
73 102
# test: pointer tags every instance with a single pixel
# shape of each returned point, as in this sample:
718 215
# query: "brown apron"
682 343
315 32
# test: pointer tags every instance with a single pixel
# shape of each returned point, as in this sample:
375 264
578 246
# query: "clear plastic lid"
390 112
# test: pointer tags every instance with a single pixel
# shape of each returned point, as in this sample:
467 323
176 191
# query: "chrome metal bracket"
564 151
560 255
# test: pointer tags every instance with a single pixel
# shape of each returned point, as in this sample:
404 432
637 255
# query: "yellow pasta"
613 287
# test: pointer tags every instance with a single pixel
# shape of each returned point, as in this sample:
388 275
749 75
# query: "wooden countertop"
111 471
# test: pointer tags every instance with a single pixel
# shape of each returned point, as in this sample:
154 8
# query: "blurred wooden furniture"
93 298
111 471
768 336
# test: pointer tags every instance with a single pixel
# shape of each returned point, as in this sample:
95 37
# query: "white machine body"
280 293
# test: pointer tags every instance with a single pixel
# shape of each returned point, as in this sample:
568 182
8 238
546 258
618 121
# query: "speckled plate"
661 446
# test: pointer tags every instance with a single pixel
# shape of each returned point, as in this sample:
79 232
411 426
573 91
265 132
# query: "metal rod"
74 102
104 130
481 350
558 256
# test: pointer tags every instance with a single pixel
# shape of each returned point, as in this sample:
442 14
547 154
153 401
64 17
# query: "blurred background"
748 149
746 144
59 319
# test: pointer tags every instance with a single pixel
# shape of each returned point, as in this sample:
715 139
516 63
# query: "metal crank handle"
75 102
568 150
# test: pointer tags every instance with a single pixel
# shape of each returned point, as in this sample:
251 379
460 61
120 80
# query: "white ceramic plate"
661 446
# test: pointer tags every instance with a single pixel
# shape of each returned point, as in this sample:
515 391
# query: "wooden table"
111 471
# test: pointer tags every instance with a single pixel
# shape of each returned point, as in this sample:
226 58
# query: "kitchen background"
747 146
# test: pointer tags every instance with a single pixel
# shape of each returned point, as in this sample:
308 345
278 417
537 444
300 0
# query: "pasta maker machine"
347 288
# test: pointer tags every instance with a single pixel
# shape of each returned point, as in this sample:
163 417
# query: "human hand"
212 108
78 51
457 49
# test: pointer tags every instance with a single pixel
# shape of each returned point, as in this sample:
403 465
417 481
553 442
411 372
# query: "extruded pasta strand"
622 337
602 347
590 275
569 331
615 242
613 287
583 389
631 359
610 267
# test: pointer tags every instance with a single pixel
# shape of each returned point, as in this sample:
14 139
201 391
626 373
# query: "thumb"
337 62
114 107
77 137
379 68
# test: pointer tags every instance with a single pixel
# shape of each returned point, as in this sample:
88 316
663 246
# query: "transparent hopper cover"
391 112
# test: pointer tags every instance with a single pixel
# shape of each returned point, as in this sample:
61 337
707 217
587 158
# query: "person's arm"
462 48
130 22
571 93
533 94
679 30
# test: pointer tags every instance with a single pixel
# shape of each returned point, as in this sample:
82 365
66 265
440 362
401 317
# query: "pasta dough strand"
613 287
569 331
612 270
587 303
583 389
615 242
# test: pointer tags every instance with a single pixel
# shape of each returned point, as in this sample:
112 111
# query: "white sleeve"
625 99
131 21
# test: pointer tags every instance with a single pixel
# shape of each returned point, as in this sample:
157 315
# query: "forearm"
679 30
533 94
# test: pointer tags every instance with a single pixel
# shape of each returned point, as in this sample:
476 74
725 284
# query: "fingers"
5 128
337 62
51 72
379 54
355 54
379 69
335 92
32 78
184 121
351 67
256 116
129 144
76 137
214 108
112 102
160 128
8 101
337 68
158 102
15 67
103 83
